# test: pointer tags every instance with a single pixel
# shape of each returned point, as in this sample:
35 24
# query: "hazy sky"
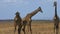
8 8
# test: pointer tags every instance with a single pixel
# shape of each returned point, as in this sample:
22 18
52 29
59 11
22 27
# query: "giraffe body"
27 20
56 25
56 20
18 22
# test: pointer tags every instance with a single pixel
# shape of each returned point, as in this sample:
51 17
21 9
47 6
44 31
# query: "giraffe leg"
54 29
19 29
30 28
15 25
57 30
24 28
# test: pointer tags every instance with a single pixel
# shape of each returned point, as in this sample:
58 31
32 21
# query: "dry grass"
38 27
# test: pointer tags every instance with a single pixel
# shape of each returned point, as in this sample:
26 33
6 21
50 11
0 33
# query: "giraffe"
56 20
17 22
27 19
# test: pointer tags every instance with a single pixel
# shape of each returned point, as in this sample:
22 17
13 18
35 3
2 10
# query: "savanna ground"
38 27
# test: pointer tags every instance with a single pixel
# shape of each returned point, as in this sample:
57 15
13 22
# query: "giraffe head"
55 3
17 13
39 8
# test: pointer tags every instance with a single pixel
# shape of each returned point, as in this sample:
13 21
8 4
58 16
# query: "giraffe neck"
33 13
18 17
55 10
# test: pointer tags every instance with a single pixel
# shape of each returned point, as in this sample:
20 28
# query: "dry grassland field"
38 27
